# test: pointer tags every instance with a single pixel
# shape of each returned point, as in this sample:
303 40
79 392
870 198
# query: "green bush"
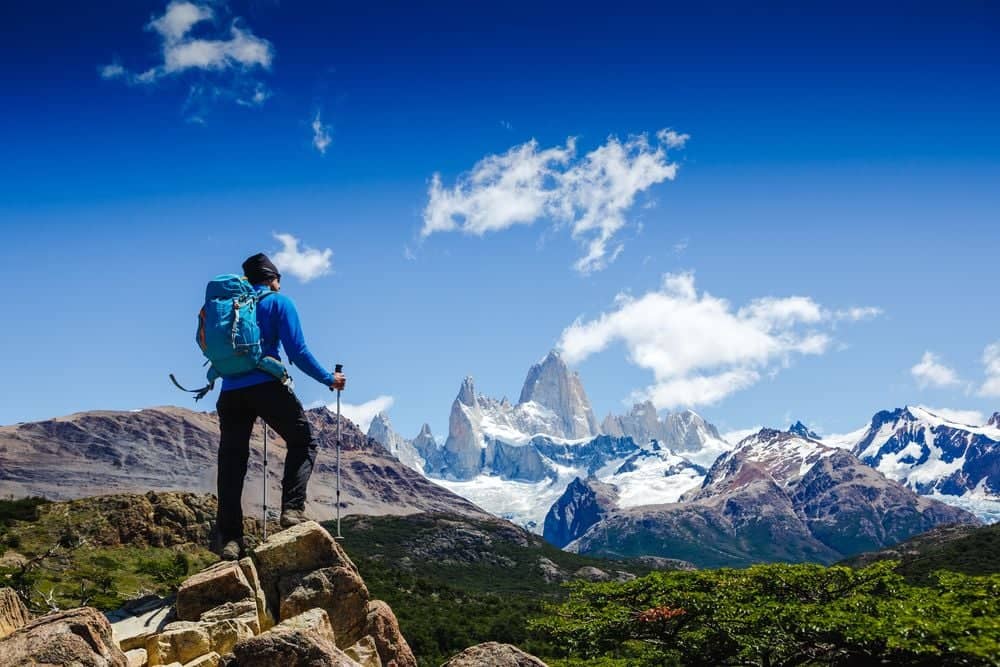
782 615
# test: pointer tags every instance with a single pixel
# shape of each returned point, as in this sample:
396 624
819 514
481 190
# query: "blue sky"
841 156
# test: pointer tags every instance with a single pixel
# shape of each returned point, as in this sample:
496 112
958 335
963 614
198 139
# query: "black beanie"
259 269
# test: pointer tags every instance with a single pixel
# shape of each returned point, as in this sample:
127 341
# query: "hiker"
259 393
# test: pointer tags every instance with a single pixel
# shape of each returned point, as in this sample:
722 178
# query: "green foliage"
21 509
783 615
459 596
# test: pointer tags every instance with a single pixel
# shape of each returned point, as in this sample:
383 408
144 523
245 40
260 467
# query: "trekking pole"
338 369
265 478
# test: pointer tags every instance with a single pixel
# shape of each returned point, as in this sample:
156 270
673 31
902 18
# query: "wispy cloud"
589 194
363 413
321 134
970 417
229 54
930 372
306 263
991 363
698 347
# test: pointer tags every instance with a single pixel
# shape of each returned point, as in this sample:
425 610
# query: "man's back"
279 324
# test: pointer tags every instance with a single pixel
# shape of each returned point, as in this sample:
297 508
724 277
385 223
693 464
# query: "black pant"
282 411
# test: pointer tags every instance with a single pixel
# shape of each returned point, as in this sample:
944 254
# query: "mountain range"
170 448
544 464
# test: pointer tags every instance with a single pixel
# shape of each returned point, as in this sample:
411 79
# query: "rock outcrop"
306 639
297 600
81 637
584 503
493 654
13 613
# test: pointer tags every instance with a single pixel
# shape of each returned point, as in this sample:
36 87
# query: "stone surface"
13 613
132 632
383 628
306 640
137 657
265 619
364 652
208 660
302 548
494 654
214 586
79 637
244 611
338 590
179 642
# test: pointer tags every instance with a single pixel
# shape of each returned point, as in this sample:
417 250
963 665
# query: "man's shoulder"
276 301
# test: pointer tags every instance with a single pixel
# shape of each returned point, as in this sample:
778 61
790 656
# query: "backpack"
228 334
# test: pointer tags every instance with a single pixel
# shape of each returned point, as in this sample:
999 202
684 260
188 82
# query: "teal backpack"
228 334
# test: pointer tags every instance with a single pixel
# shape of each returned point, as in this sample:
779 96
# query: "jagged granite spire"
551 384
995 420
462 456
800 429
467 392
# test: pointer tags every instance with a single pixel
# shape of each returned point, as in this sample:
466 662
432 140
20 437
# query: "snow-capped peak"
786 456
550 384
801 430
994 420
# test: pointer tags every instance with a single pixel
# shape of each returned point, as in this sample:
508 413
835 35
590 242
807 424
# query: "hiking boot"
231 551
291 518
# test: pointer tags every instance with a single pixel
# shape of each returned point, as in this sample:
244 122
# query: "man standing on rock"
257 393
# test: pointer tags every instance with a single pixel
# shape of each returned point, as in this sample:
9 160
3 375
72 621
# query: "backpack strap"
198 393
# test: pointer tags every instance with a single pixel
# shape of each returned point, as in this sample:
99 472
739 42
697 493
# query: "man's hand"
339 382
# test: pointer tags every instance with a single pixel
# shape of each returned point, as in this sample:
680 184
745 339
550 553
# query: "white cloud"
321 134
672 139
858 314
589 194
305 264
112 71
698 347
968 417
991 361
930 372
231 52
363 414
734 437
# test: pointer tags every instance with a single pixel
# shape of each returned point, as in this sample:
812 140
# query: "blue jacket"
279 327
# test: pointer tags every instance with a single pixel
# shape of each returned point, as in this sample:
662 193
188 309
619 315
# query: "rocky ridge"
170 448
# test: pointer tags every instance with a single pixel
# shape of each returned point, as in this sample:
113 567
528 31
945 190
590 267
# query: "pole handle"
339 368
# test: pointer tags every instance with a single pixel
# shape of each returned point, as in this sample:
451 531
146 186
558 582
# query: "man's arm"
294 342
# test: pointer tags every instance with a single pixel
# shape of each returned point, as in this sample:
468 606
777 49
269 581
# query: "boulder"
244 611
79 637
179 642
184 641
13 613
338 590
364 652
302 548
494 654
216 585
265 619
208 660
382 626
137 657
306 640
